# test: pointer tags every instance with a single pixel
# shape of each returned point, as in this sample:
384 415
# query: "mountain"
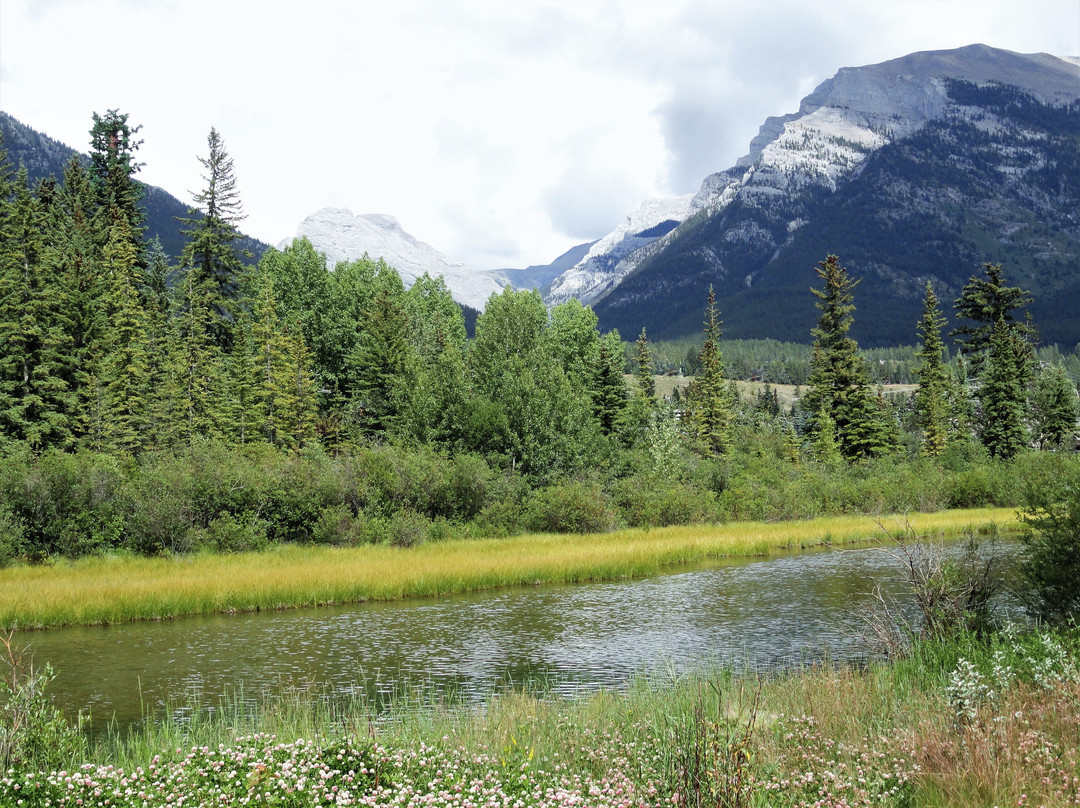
343 236
45 157
602 267
540 276
918 168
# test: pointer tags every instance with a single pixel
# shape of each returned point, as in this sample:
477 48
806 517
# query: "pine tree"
985 302
839 382
125 373
156 303
34 350
196 378
74 235
643 369
709 392
113 168
383 360
607 385
931 399
211 251
1003 392
299 407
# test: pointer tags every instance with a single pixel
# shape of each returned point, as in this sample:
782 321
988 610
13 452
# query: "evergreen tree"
211 251
195 376
125 373
931 399
839 382
646 381
74 235
1003 392
156 302
298 408
608 387
382 363
113 168
710 396
34 349
1054 409
985 302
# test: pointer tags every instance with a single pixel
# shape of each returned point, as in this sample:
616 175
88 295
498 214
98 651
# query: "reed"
107 589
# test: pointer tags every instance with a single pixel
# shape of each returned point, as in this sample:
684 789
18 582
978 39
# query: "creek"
786 610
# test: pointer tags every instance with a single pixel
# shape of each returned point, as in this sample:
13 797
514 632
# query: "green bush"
572 506
645 501
34 735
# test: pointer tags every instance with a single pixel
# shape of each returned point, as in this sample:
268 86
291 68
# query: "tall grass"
123 588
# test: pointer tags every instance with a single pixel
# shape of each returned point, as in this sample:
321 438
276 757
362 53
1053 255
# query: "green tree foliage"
839 382
34 348
985 301
931 399
383 360
125 369
607 386
1054 409
211 251
643 368
113 168
1003 392
1050 565
710 411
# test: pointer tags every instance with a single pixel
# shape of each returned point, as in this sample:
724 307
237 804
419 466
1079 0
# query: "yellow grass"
108 590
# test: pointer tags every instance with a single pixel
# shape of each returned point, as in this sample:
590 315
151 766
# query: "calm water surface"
576 637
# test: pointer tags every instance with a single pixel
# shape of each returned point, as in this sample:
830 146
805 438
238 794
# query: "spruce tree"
931 399
196 372
211 251
643 370
35 399
839 382
709 392
607 385
73 253
1003 392
125 371
985 301
113 168
382 363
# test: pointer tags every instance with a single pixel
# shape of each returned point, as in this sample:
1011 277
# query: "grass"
118 589
963 722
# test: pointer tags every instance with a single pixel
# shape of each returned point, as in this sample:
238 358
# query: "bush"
1050 567
645 501
34 735
572 506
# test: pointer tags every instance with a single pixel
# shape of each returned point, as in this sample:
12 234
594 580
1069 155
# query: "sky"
501 133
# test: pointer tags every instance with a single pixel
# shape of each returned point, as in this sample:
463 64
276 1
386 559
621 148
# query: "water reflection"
580 637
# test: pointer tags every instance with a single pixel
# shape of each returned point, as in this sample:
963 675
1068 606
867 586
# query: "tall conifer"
931 399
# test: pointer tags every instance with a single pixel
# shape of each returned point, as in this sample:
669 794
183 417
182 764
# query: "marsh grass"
114 589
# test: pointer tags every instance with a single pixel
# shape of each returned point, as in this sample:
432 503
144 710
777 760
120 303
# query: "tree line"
107 348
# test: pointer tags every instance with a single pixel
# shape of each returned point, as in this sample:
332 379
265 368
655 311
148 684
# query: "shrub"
572 506
34 735
1050 568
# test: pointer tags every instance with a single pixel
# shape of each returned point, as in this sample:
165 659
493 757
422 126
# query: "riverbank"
112 589
959 723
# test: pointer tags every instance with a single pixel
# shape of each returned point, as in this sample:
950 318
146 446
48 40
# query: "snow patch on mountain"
599 270
344 236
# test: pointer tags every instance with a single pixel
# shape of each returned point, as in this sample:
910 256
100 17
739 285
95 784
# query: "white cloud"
501 133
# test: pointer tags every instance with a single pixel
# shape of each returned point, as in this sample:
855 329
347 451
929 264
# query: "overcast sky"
501 133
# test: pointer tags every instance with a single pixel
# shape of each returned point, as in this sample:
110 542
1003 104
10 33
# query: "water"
786 610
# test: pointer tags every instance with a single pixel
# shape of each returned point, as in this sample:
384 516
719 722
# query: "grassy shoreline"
961 722
115 589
